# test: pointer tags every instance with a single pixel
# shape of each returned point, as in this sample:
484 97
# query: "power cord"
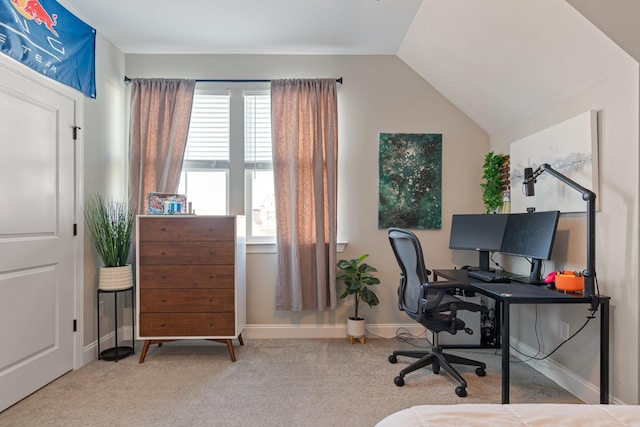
403 335
591 316
369 333
495 262
534 357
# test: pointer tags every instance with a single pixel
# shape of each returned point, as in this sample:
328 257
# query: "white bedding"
534 415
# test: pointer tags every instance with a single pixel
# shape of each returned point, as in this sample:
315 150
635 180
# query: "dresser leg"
240 339
145 348
231 352
229 344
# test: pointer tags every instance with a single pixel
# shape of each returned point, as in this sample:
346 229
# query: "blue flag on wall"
48 38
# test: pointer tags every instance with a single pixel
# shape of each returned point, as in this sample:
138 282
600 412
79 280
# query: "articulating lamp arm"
590 197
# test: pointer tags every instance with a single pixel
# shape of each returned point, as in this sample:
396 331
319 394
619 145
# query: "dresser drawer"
185 253
191 277
186 300
186 228
187 324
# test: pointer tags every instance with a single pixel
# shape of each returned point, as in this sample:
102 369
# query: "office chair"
431 304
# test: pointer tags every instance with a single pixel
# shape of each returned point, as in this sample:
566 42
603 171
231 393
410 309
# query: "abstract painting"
410 180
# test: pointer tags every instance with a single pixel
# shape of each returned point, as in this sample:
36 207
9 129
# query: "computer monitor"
478 232
531 235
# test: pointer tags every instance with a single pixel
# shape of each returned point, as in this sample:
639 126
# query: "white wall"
382 94
379 94
617 266
105 165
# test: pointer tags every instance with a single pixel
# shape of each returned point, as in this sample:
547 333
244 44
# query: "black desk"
506 294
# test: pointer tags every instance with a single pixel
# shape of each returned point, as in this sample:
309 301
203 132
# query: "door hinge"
75 325
75 132
75 229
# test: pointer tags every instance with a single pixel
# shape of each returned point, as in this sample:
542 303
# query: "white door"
36 235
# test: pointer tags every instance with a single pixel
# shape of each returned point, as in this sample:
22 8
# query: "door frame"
78 209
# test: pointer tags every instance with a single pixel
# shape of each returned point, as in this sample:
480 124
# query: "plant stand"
361 339
117 352
356 330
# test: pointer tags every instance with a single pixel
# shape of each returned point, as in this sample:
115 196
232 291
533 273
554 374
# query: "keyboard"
489 276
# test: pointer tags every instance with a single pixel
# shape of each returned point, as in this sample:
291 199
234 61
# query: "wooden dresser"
190 279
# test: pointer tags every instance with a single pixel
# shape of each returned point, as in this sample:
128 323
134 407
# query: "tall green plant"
110 225
492 187
357 277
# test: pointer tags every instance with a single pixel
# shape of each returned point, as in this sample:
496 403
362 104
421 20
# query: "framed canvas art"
410 180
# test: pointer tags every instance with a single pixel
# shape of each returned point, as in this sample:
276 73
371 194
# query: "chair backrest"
414 275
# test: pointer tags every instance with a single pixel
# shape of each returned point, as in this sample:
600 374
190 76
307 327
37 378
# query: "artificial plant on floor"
110 225
358 279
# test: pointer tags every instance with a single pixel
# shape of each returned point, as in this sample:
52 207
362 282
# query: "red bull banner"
48 38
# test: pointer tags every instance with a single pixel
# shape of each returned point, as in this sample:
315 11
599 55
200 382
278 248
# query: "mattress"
533 414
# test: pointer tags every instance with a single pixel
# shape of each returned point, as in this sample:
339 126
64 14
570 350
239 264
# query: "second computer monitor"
531 235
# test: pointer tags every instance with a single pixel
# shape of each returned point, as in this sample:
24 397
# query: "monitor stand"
483 261
535 277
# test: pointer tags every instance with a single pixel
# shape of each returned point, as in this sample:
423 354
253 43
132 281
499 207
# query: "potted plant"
493 187
110 225
357 277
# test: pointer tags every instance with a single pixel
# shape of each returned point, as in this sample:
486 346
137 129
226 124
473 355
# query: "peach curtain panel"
305 155
159 125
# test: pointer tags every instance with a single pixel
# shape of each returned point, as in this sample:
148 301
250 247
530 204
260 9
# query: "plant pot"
115 278
356 328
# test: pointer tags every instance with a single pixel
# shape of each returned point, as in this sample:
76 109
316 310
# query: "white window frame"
239 188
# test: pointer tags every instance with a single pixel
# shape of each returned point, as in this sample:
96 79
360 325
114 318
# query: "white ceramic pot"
356 328
115 278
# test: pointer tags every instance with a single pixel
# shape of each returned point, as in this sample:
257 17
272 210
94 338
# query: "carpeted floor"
283 382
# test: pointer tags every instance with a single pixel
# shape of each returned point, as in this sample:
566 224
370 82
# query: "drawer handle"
162 300
210 300
163 229
162 325
163 276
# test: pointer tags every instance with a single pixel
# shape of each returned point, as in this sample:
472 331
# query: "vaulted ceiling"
499 61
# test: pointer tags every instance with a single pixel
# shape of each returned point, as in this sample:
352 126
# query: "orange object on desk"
569 282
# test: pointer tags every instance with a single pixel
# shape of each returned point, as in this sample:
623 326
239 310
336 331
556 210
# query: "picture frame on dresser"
191 279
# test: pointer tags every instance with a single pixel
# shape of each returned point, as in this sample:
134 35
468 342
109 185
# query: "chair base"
437 359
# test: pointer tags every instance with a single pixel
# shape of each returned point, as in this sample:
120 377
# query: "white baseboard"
579 387
90 352
321 331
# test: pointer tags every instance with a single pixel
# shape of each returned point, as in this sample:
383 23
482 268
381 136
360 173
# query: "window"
260 206
227 167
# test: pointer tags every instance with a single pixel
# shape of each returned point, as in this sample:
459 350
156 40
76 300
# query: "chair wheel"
399 381
436 369
461 391
393 359
480 372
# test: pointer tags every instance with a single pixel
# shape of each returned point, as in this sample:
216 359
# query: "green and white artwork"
410 180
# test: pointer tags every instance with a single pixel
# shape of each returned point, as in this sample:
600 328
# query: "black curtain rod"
127 80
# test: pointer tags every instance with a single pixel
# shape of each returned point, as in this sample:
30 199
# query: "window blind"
208 138
257 129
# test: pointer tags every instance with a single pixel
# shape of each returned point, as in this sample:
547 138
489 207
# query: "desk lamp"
590 197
